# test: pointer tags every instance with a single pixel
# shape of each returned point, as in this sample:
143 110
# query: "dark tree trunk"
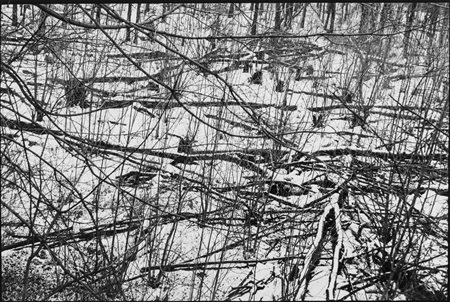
128 36
363 21
333 16
322 11
277 16
280 86
443 36
302 23
345 11
42 28
93 10
231 10
165 9
97 16
328 17
398 17
66 11
14 15
24 12
297 8
433 21
385 12
138 18
215 30
298 74
247 67
255 19
289 14
138 13
373 16
409 22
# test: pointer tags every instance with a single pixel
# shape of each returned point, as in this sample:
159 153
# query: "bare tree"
230 151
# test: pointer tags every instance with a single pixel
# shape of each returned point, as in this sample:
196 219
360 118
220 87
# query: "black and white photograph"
206 151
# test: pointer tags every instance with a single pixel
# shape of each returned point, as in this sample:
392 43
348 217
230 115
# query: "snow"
180 188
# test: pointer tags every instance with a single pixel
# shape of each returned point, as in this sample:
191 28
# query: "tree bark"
345 11
443 35
42 27
319 9
333 16
23 12
165 9
255 19
297 8
97 16
409 22
138 17
289 13
328 16
398 16
433 21
14 15
363 20
277 26
128 36
302 23
385 12
231 10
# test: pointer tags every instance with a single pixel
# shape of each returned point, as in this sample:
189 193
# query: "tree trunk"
215 26
231 10
138 13
333 16
128 36
164 10
386 44
97 16
42 28
24 12
443 34
277 26
373 16
297 8
93 10
255 19
409 22
345 11
328 17
302 23
398 17
14 15
319 9
288 16
385 11
66 11
433 21
363 20
138 17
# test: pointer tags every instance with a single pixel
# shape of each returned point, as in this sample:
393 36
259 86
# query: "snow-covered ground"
240 216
